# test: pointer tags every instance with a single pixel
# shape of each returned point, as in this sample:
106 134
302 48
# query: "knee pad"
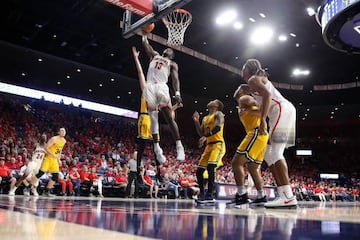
39 174
274 153
55 177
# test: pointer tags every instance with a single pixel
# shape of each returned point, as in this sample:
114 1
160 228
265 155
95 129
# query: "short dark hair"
221 105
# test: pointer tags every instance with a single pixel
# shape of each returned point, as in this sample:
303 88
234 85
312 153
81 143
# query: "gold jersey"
209 123
250 121
57 147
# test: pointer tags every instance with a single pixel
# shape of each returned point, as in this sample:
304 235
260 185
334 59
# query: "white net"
177 22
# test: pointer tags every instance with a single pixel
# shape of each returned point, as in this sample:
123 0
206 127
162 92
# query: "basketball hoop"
177 22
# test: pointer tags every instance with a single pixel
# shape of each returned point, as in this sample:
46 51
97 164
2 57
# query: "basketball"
149 28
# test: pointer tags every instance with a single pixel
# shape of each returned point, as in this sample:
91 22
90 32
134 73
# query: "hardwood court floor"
111 218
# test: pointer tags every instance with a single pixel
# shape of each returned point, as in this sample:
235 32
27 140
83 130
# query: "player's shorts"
253 146
282 123
157 95
33 167
50 165
213 154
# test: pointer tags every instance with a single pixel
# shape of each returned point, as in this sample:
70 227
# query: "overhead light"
205 88
23 74
204 43
262 15
129 92
297 45
90 90
310 11
282 38
252 20
78 70
112 79
300 72
111 54
238 25
100 85
118 97
68 77
58 83
293 34
226 17
262 35
54 36
195 101
40 60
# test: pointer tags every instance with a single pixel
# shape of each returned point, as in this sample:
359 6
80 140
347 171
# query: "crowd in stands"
99 147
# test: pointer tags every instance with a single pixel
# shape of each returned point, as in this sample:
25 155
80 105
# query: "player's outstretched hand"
196 116
178 99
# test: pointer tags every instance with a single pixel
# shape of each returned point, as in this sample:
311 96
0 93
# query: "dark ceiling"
84 34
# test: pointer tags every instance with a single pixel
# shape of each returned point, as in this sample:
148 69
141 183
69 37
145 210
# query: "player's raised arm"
139 69
148 48
174 72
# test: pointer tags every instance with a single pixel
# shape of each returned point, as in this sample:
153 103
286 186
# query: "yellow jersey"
209 123
57 147
250 121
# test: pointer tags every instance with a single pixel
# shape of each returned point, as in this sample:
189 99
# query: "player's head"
242 90
169 53
62 132
43 139
252 67
215 105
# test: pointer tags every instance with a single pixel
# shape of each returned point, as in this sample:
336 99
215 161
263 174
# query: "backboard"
132 22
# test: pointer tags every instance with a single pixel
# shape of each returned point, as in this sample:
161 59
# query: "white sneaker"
160 156
26 191
34 192
12 191
180 153
282 202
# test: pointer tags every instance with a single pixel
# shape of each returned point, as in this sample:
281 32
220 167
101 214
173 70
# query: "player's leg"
165 107
238 162
175 132
275 159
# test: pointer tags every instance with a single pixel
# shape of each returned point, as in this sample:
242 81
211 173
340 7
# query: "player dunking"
156 93
282 120
252 148
51 160
33 166
211 131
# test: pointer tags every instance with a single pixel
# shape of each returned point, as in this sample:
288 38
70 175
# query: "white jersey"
282 117
159 70
38 154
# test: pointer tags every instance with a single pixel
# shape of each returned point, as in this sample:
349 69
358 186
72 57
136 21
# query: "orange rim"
179 10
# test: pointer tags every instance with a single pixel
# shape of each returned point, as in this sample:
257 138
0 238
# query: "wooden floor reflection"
110 218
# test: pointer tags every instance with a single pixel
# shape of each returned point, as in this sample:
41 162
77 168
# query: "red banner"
139 7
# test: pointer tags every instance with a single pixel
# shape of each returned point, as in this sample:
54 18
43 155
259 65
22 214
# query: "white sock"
178 143
287 191
156 146
241 190
260 193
